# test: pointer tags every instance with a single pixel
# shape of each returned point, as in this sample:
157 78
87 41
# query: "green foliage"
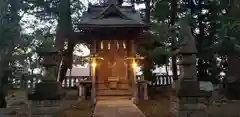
161 10
154 48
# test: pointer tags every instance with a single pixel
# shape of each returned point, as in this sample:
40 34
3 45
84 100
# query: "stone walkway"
3 112
117 109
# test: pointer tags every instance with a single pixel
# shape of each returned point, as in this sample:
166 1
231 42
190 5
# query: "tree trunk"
148 11
173 41
233 74
201 66
64 32
14 34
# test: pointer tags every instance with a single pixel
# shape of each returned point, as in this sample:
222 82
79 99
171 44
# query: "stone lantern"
50 60
49 88
50 57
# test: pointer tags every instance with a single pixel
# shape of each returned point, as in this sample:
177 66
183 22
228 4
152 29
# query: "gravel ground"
151 108
81 109
154 108
159 108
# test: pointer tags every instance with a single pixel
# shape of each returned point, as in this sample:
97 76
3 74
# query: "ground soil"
74 108
81 109
155 108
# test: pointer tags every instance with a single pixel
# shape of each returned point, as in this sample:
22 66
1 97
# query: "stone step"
113 98
116 92
106 86
117 108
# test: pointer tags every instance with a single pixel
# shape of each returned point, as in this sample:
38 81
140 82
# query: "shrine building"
113 31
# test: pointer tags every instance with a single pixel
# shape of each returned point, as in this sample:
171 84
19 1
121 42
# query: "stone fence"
70 82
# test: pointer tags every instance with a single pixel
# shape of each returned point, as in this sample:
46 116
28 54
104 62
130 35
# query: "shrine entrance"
112 74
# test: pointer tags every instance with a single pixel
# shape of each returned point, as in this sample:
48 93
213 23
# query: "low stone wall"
44 108
19 106
17 103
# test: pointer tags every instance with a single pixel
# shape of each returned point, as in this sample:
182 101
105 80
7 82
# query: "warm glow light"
134 65
93 64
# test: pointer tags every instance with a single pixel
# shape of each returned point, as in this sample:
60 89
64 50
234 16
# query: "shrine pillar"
133 76
93 66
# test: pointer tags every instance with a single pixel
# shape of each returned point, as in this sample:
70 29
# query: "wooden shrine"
113 31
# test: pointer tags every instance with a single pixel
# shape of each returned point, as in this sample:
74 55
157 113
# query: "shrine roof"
111 15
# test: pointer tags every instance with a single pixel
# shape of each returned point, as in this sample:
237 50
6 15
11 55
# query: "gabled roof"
111 15
110 11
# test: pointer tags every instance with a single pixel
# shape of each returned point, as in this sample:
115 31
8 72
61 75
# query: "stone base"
190 110
193 110
187 108
232 90
44 108
184 90
47 91
17 103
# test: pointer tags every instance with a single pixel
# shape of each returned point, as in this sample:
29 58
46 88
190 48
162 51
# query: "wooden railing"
70 82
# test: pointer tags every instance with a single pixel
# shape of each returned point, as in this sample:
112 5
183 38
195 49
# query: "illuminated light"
134 65
93 64
101 44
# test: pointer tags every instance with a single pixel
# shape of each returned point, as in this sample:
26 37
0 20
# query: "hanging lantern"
50 58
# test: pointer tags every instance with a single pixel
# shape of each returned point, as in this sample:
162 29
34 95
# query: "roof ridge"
101 15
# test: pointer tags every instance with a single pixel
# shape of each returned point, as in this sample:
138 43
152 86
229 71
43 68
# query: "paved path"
3 112
117 109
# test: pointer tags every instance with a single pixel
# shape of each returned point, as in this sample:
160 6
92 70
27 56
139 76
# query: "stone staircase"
103 92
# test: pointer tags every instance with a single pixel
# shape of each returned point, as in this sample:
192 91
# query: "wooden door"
114 53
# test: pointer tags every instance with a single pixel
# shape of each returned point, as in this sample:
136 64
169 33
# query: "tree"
66 14
64 31
228 46
173 19
10 29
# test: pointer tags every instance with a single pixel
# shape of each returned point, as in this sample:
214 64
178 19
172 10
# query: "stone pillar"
145 91
82 95
185 102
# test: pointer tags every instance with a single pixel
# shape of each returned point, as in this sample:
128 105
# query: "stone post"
145 91
81 94
185 102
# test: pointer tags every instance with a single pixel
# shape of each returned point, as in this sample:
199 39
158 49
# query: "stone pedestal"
45 101
143 89
185 100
